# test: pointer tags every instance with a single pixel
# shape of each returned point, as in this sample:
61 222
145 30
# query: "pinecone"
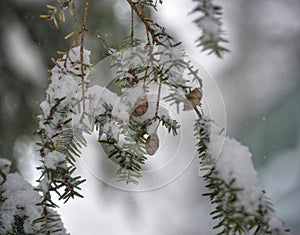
141 106
152 144
193 99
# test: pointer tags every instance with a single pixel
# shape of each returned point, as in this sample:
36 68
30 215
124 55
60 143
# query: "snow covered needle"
18 207
61 129
240 204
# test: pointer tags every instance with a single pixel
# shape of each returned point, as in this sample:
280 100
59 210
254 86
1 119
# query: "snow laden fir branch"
61 134
18 205
241 206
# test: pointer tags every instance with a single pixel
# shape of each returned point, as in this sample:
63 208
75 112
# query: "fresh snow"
233 161
53 160
19 199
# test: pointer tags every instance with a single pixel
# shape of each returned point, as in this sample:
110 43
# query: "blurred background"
259 81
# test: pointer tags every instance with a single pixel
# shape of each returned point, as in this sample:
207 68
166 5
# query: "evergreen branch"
130 158
210 24
171 125
19 205
62 137
129 155
231 204
176 95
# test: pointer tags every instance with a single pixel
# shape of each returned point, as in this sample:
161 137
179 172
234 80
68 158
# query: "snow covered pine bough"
126 114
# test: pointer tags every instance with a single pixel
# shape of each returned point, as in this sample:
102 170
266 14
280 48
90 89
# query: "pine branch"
238 208
210 24
18 209
61 129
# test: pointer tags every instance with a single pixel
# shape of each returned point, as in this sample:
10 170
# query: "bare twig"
158 97
198 112
100 38
144 19
76 30
132 27
83 26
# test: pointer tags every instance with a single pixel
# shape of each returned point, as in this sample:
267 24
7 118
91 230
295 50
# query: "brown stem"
83 26
75 22
132 27
100 38
76 31
143 18
198 112
158 97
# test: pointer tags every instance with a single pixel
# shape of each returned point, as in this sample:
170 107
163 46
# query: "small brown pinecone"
193 99
152 144
141 106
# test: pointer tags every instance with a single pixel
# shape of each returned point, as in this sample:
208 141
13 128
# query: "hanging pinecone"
141 106
193 99
152 144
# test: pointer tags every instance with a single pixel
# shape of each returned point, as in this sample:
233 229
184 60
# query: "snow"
127 59
66 84
176 78
74 56
53 160
64 101
152 101
18 195
168 56
44 184
27 157
233 162
121 110
63 85
97 96
19 199
45 108
134 93
173 61
124 105
275 224
152 129
112 129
